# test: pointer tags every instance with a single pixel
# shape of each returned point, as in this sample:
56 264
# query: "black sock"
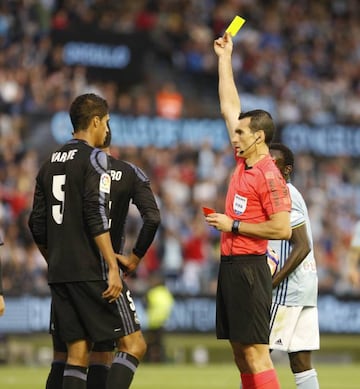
122 371
96 376
55 377
74 377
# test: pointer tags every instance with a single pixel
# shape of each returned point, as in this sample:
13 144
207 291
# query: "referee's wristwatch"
235 226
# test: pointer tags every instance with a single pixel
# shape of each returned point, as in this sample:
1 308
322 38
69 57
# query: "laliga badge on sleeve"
207 210
235 25
105 183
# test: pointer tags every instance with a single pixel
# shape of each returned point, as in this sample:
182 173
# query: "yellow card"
235 25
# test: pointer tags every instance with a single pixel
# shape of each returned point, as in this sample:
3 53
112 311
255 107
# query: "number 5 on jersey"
59 194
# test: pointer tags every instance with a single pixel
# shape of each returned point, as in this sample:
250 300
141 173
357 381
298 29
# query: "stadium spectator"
169 101
257 208
294 314
195 257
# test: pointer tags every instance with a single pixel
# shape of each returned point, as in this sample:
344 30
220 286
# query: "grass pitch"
337 364
188 376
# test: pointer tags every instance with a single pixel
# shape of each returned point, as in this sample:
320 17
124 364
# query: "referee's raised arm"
229 97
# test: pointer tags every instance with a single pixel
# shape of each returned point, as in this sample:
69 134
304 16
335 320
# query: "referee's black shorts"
243 299
80 312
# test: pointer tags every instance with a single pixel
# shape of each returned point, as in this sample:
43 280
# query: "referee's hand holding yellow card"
235 25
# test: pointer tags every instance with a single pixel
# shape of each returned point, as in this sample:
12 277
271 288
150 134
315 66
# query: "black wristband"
235 226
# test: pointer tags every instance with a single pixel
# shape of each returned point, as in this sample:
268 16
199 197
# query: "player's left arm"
144 200
97 184
300 248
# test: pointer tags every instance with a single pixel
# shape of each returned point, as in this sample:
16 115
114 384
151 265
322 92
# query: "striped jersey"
300 288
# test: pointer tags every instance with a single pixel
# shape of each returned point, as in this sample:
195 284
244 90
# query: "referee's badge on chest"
239 204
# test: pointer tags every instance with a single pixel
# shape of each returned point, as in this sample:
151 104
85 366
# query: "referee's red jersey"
254 194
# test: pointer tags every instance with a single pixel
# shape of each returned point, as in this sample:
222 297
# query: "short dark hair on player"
286 152
260 120
84 108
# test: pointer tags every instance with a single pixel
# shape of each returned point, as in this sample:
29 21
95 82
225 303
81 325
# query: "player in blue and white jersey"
294 315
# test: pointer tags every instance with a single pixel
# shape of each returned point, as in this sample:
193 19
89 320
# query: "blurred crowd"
304 55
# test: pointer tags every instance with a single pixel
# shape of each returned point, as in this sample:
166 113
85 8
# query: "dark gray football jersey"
71 207
129 184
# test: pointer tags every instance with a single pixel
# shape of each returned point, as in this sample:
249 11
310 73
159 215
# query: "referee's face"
244 139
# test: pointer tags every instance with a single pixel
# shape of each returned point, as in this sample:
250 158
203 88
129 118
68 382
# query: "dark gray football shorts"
80 312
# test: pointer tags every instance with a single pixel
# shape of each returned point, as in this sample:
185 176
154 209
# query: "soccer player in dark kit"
128 184
70 224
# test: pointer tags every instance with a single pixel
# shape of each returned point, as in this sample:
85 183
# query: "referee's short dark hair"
286 152
260 120
84 108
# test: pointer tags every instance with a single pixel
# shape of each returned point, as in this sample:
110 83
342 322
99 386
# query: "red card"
207 210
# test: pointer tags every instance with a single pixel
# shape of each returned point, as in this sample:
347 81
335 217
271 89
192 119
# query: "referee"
257 208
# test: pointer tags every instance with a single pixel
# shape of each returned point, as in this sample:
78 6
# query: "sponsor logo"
105 183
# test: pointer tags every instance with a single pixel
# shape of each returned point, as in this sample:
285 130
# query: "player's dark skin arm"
299 361
300 249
